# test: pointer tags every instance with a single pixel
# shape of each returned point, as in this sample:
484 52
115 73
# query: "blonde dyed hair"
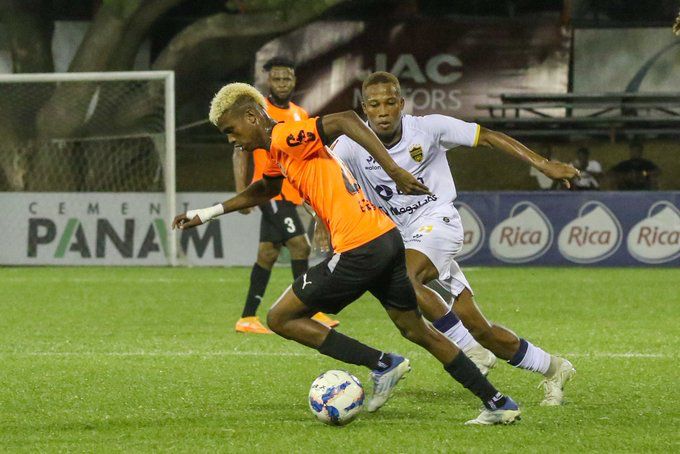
229 95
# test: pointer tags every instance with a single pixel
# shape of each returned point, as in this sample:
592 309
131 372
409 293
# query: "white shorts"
440 239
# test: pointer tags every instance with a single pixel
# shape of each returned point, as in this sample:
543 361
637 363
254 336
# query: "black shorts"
378 266
280 222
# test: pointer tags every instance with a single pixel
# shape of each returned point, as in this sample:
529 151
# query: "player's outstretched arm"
349 123
255 194
240 161
553 169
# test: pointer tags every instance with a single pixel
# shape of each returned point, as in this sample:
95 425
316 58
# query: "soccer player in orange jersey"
368 250
280 223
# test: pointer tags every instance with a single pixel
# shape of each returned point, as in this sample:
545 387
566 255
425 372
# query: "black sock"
259 278
348 350
299 267
384 362
467 374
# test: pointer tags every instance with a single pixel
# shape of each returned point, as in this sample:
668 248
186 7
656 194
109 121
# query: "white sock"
454 329
535 359
460 335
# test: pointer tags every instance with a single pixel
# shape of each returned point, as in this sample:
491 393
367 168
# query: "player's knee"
300 250
267 256
411 332
275 322
415 281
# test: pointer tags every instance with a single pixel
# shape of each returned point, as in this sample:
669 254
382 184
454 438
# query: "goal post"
87 161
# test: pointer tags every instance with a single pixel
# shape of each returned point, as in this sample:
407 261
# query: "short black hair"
380 77
279 60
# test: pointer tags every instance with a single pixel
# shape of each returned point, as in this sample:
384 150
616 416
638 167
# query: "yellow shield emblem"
416 152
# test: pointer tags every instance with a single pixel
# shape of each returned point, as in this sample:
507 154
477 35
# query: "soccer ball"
336 397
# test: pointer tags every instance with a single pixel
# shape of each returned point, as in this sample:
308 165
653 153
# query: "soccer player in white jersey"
431 226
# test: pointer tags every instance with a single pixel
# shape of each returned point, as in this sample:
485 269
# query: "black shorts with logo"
280 222
378 266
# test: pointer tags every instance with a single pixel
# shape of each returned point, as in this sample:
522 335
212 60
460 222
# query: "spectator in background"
591 171
545 183
636 173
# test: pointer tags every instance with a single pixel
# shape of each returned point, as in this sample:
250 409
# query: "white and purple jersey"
421 151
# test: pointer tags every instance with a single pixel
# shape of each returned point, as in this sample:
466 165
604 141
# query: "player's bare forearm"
255 194
553 169
240 161
510 146
349 124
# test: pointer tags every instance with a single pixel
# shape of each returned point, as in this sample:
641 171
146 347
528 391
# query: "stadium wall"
534 228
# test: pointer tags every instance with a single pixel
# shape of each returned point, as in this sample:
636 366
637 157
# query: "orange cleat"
325 320
251 325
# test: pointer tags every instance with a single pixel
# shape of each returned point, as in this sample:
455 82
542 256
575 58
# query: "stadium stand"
608 114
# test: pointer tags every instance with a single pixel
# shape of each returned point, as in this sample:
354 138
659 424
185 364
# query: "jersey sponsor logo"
524 236
473 231
301 137
372 164
416 152
593 236
385 192
656 239
410 209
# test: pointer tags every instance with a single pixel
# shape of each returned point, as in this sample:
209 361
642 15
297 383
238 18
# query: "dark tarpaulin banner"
445 66
570 228
638 60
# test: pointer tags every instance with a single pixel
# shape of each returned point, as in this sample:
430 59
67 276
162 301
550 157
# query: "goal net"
88 142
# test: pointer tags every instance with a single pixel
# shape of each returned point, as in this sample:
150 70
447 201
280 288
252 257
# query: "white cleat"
384 382
483 359
554 386
507 414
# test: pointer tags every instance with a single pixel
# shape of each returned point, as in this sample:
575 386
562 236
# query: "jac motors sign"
443 65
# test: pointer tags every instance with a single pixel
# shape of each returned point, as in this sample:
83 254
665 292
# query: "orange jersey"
260 159
297 152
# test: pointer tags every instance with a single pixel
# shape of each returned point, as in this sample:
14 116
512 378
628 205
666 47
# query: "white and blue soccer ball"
336 397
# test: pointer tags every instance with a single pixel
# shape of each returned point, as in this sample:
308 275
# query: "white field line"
120 279
189 353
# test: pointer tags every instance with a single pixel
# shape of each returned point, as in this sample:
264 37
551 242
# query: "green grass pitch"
139 360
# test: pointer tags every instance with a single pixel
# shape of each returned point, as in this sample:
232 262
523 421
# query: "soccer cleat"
554 386
385 381
251 325
483 359
325 320
507 414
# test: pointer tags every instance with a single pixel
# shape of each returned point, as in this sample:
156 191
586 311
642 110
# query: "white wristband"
206 214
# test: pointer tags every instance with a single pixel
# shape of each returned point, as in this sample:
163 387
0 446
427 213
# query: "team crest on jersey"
416 152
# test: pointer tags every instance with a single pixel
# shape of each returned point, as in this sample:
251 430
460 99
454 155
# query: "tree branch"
226 26
136 32
30 27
